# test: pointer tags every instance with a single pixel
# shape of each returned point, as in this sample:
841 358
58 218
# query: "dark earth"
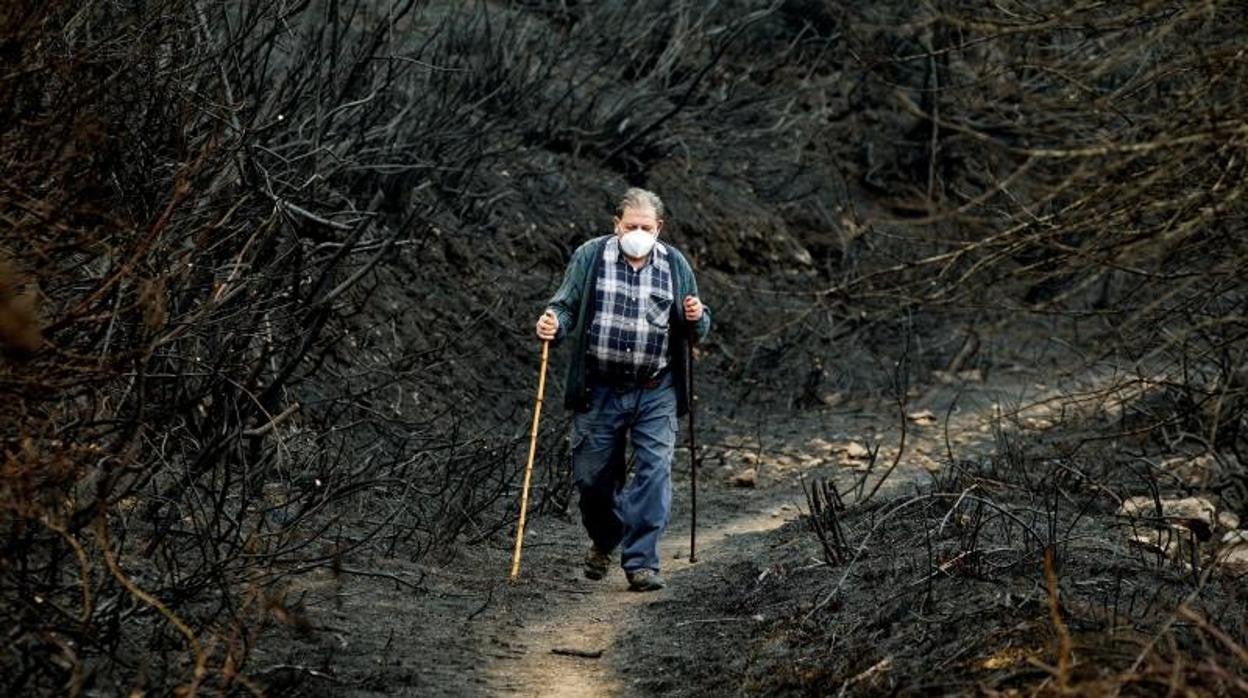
972 418
756 614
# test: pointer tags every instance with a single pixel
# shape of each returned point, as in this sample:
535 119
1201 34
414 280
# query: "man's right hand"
547 326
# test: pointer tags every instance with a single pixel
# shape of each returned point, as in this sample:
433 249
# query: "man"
627 380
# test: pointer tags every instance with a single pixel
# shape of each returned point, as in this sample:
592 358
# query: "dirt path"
594 623
460 629
630 652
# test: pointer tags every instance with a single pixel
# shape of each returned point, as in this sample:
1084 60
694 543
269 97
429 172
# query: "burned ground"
267 281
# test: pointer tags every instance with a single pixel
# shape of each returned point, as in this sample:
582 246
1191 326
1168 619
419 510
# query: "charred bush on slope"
205 199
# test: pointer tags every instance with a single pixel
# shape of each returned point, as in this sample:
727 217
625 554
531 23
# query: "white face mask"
637 243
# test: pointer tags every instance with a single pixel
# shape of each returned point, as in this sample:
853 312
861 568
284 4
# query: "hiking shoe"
596 563
644 580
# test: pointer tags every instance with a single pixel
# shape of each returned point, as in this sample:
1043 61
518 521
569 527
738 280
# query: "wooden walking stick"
693 467
528 469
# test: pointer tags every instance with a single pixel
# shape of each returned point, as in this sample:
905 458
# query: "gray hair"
636 197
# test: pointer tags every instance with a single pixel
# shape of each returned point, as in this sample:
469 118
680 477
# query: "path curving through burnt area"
466 631
602 640
571 650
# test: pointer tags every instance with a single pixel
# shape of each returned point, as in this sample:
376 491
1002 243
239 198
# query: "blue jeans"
635 514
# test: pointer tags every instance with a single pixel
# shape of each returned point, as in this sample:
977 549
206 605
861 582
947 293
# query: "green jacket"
573 304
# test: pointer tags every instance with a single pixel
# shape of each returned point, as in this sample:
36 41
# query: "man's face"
638 218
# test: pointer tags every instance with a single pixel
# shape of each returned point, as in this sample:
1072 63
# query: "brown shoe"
596 563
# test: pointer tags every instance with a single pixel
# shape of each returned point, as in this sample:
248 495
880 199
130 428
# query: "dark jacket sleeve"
567 300
703 326
689 287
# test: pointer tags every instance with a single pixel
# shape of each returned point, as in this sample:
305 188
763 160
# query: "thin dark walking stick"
693 467
528 469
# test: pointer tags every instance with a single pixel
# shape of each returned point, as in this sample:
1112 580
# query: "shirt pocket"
658 308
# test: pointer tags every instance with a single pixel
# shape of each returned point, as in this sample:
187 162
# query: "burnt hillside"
268 270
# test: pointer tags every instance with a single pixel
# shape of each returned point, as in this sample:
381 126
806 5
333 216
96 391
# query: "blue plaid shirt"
628 336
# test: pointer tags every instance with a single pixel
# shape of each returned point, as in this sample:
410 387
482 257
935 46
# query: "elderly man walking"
630 306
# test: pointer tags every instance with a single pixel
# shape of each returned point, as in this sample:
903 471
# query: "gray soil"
390 627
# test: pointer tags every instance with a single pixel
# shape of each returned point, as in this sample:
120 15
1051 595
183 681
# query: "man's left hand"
693 309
